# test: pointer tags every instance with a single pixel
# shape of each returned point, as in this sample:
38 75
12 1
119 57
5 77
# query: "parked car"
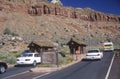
29 59
94 54
3 67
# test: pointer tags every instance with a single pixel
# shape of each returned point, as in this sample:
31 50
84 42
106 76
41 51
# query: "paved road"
14 70
84 70
81 70
115 70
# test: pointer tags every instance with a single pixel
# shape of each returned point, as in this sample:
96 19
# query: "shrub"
64 60
118 54
3 56
64 51
9 57
68 60
7 31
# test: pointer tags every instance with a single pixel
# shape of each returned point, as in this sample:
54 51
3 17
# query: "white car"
94 54
29 59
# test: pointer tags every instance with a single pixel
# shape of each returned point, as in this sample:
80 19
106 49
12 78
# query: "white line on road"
108 72
40 76
15 75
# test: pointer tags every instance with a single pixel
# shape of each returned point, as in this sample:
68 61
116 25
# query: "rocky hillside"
42 20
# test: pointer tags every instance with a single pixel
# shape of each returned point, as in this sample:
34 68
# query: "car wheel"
34 63
2 69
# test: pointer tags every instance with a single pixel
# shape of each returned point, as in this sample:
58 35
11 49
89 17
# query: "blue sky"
106 6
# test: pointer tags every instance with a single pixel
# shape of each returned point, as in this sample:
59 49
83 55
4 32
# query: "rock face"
76 13
27 1
40 8
97 16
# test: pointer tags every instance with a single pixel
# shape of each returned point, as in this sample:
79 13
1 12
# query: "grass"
118 54
45 65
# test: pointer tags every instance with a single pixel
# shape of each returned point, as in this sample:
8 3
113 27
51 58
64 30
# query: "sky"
105 6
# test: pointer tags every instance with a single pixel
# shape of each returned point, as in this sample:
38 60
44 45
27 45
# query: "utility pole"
89 35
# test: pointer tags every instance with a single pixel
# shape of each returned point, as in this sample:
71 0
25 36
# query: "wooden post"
57 59
41 53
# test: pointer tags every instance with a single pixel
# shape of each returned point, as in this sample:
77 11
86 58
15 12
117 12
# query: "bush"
64 60
64 51
118 54
3 56
7 31
68 60
9 57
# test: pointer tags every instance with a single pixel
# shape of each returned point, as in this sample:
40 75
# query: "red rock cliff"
77 13
40 7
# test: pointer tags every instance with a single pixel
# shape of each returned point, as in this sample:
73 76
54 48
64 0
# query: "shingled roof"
76 42
42 43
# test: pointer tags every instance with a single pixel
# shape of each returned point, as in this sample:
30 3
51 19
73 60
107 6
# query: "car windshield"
93 51
27 55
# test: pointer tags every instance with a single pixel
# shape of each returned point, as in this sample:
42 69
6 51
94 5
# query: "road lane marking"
15 75
108 72
41 76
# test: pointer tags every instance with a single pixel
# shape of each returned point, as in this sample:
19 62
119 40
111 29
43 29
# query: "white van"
108 46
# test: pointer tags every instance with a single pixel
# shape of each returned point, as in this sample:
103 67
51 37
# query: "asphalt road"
82 70
115 70
14 70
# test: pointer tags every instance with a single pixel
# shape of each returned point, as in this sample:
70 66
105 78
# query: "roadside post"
57 59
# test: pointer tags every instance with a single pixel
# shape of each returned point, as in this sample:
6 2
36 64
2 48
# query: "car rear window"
93 51
37 55
27 55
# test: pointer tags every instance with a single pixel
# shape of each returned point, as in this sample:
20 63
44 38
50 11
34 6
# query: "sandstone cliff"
38 8
76 13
